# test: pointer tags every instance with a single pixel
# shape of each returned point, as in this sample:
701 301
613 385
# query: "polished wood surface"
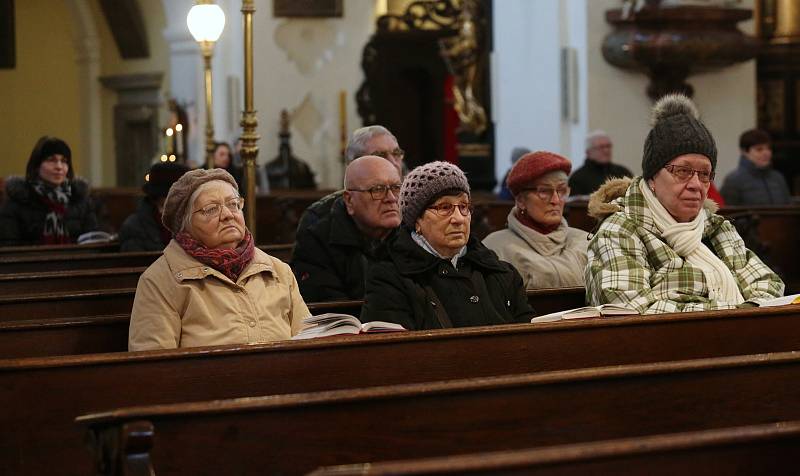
38 263
296 433
76 331
754 450
112 380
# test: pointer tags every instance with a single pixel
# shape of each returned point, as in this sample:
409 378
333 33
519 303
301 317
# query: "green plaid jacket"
629 263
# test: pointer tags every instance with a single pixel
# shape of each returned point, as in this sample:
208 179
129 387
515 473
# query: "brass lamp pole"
249 121
206 22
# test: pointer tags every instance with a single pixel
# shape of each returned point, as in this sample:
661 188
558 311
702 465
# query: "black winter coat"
140 231
592 175
23 213
330 257
410 286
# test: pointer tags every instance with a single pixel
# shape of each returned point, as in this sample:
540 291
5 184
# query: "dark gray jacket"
750 185
141 231
23 213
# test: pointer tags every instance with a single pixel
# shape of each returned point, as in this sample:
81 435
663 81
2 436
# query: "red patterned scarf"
56 200
230 262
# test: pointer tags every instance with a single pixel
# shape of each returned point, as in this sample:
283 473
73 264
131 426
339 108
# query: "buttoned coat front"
181 302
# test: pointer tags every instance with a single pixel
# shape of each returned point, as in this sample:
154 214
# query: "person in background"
370 140
597 168
431 273
660 246
755 182
49 205
505 192
546 251
212 286
143 230
330 257
223 159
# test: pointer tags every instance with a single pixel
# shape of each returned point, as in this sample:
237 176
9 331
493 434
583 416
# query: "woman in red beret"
538 241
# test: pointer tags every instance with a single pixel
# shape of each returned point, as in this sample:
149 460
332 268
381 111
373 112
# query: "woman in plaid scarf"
49 205
660 247
212 286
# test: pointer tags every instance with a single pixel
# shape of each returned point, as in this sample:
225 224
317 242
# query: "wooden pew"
293 434
111 300
754 450
23 284
38 337
45 262
112 247
113 380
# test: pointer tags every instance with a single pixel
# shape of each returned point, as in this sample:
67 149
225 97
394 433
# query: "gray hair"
595 134
357 145
186 223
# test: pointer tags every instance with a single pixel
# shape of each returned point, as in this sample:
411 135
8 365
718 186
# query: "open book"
781 301
331 324
588 311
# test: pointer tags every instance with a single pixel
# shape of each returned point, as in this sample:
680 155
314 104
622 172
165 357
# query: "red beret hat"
532 166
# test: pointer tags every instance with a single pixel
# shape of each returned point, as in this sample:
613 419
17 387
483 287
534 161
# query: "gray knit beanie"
179 193
676 131
424 183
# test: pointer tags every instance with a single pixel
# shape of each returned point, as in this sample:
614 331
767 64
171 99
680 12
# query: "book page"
782 301
577 313
381 326
616 310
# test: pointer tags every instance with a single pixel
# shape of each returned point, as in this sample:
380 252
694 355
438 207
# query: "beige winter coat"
555 260
181 302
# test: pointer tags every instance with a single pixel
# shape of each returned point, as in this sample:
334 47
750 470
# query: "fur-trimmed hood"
17 189
608 199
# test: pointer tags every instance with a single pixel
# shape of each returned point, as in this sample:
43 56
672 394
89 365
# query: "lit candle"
170 132
342 122
179 140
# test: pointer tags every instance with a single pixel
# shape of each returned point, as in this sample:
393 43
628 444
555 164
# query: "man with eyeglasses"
330 256
370 140
597 168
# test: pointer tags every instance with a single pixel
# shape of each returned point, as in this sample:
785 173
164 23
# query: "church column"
87 47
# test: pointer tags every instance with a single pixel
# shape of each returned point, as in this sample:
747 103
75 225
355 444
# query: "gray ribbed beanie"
676 131
424 183
179 193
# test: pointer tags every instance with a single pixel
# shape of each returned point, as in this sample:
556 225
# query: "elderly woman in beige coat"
538 242
212 286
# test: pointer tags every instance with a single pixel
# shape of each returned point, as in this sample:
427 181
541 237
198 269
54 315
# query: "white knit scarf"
686 240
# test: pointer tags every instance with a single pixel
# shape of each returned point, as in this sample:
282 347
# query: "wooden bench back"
754 449
294 434
112 380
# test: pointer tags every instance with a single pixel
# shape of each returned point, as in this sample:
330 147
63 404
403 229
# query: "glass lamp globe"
206 22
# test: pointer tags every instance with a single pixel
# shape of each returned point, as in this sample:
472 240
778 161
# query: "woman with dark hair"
432 274
223 159
50 205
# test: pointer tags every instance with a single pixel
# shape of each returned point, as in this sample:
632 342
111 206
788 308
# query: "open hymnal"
781 301
331 324
588 311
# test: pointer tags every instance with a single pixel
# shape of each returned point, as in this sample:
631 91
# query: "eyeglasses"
213 210
379 192
397 153
546 193
684 174
447 209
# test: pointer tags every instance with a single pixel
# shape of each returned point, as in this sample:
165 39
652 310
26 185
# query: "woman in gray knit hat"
660 246
431 274
212 286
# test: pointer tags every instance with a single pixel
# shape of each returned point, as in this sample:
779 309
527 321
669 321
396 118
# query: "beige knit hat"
179 193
